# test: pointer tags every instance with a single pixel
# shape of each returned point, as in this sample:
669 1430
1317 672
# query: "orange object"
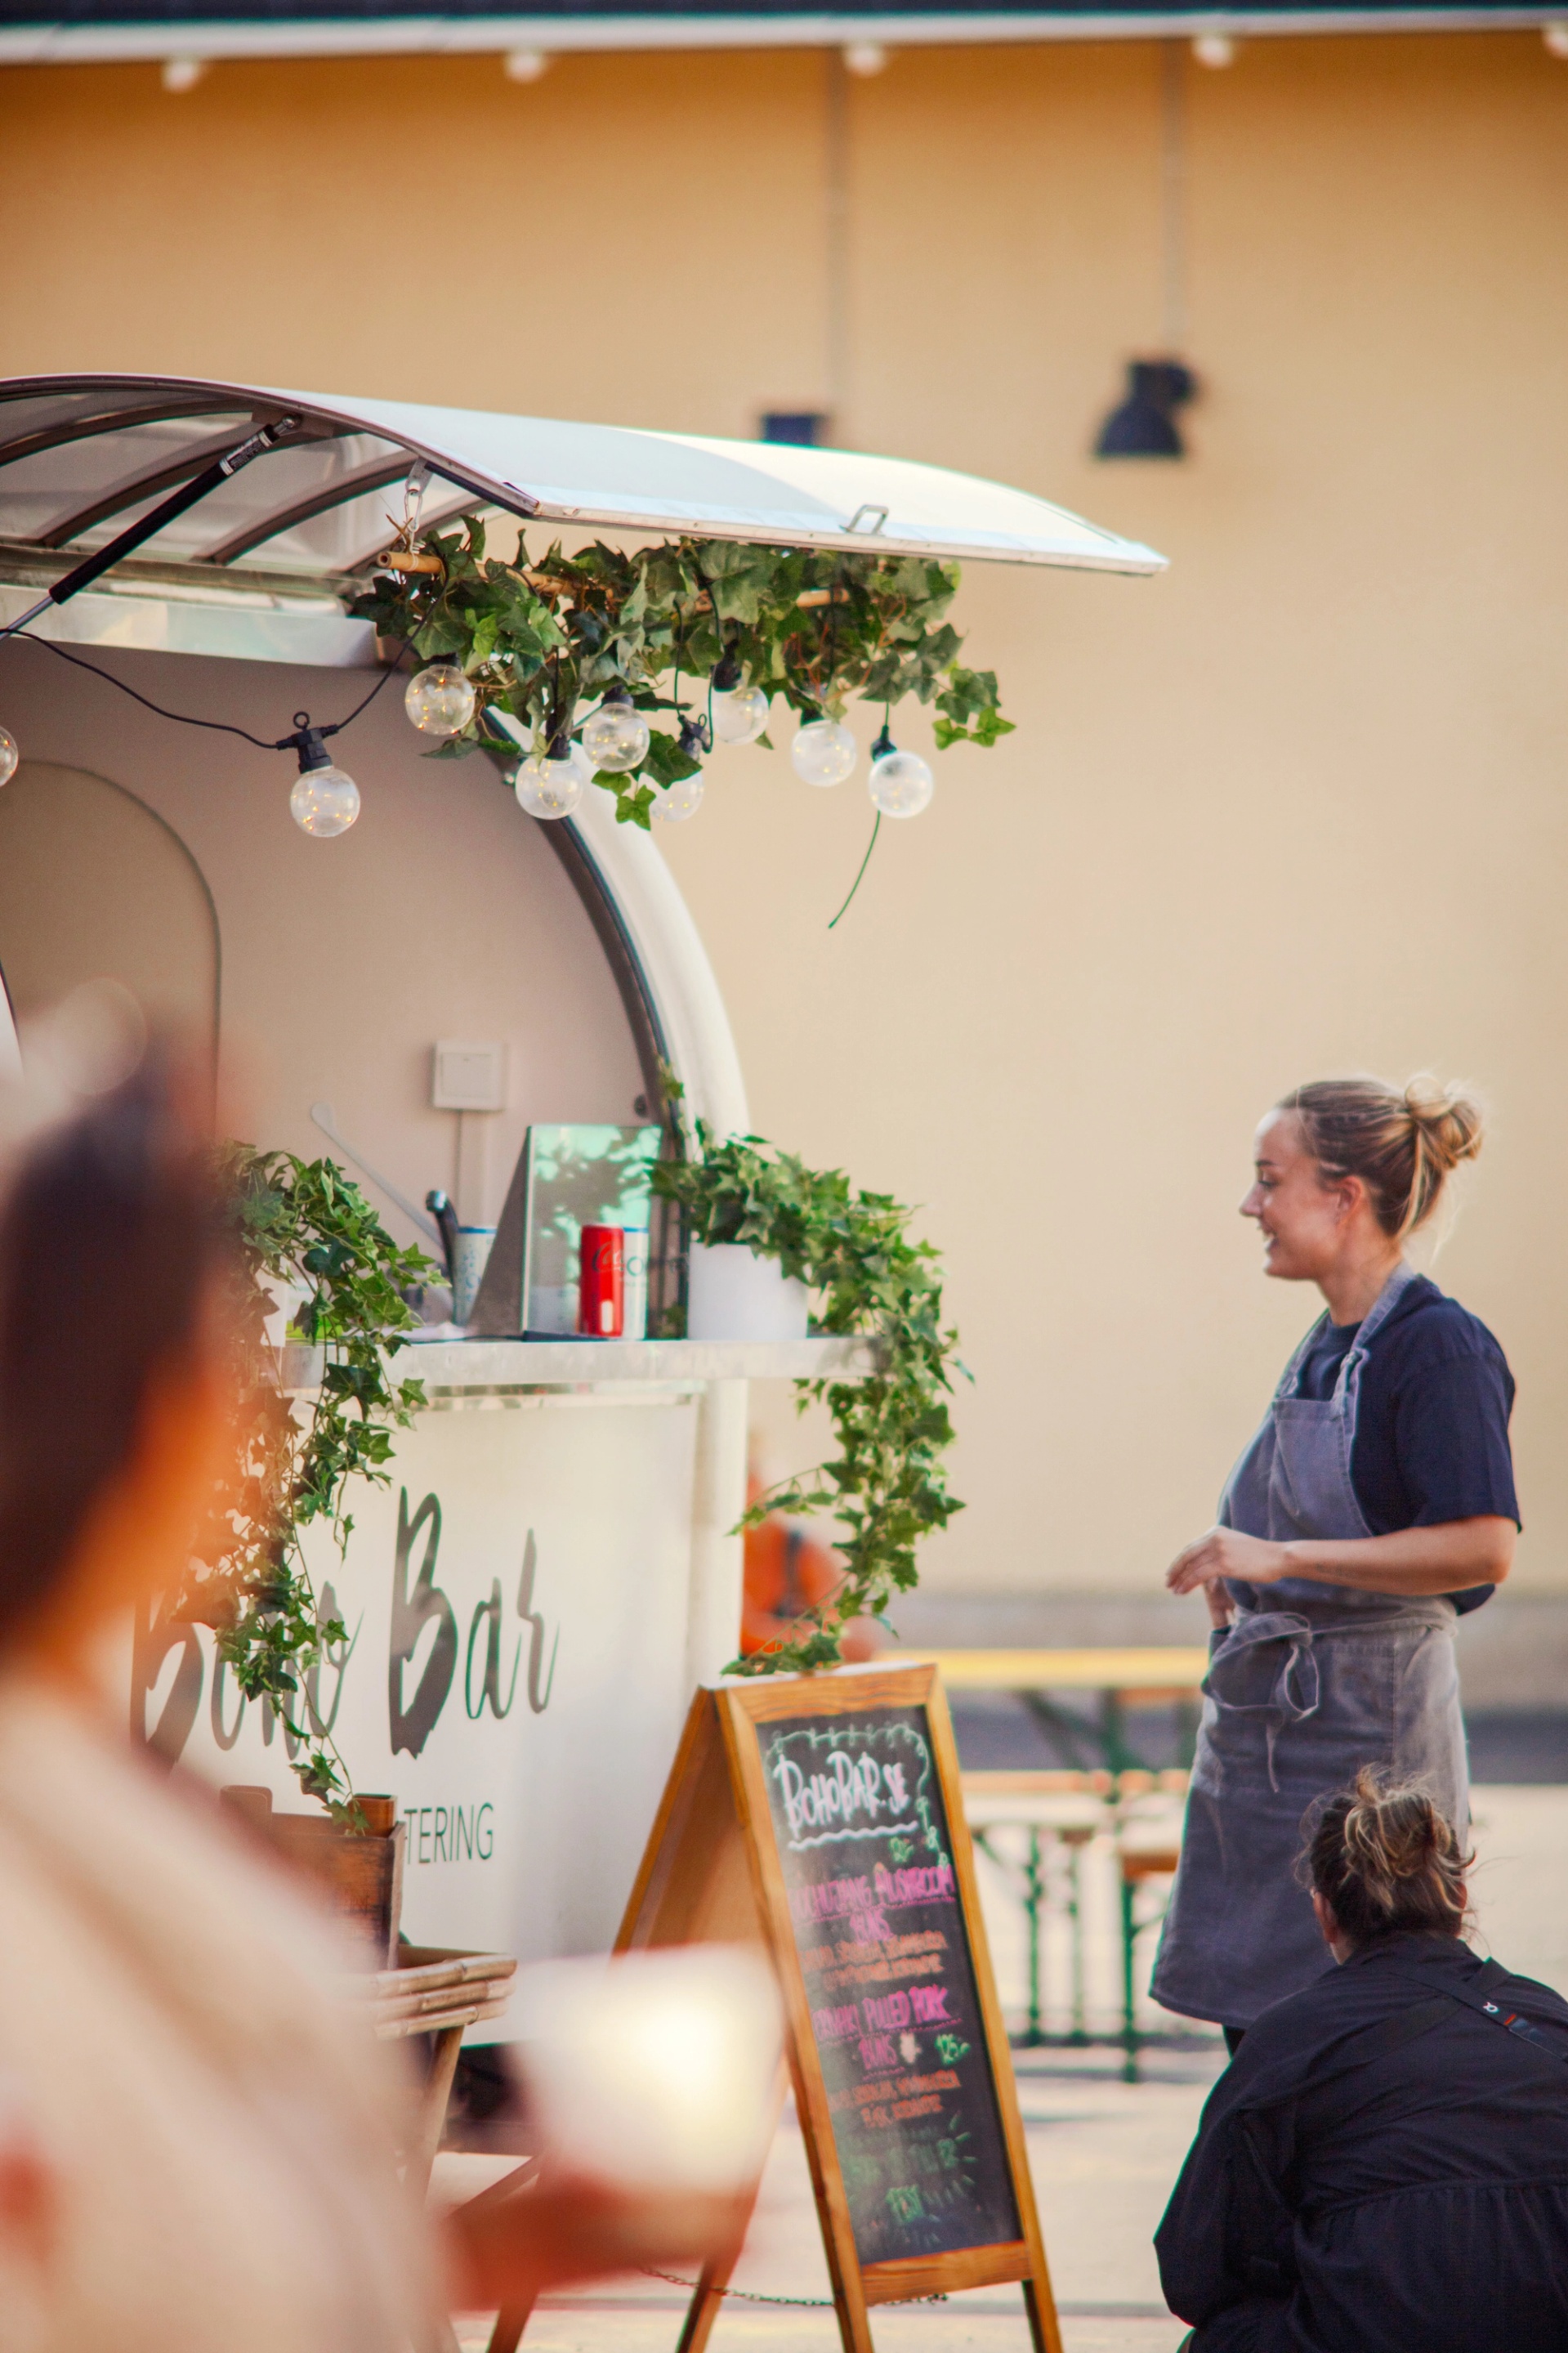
786 1573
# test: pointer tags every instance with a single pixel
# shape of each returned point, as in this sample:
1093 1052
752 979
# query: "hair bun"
1447 1120
1402 1142
1386 1861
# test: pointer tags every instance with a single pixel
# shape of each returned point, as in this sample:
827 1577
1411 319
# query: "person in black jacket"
1384 2165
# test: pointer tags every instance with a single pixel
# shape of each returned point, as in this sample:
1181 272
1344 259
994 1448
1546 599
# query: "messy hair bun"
1386 1861
1402 1142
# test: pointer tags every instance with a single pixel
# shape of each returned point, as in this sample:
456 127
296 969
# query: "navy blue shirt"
1431 1432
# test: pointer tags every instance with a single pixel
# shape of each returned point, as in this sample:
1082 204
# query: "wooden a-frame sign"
821 1816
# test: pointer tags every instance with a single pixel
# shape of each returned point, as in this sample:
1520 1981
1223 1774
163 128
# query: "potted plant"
887 1486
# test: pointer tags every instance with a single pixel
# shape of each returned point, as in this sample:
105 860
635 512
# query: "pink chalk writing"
931 1884
930 2005
835 2025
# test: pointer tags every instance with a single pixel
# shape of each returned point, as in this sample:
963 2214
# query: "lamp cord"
220 726
870 846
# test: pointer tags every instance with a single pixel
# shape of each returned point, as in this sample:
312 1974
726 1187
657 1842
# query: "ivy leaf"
634 803
664 762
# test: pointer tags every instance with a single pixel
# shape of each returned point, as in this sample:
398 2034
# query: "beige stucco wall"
1299 807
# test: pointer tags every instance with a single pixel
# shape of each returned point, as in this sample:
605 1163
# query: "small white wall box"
468 1077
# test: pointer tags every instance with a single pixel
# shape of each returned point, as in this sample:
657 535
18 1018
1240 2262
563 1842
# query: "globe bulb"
902 784
615 738
741 717
9 755
824 753
440 701
551 788
324 801
682 800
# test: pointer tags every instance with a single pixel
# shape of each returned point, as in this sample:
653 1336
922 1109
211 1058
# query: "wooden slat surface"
1146 1669
433 1990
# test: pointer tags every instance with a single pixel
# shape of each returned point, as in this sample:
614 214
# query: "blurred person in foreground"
1384 2165
197 2143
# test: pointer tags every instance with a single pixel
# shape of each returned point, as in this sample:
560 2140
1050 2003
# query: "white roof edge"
100 43
1131 559
770 494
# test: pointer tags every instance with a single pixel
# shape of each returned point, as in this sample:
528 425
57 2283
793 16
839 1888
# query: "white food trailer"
532 1600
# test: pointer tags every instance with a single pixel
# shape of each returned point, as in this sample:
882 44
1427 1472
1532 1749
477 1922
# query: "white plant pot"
734 1294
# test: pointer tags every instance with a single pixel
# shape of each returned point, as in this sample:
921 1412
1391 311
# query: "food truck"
553 1567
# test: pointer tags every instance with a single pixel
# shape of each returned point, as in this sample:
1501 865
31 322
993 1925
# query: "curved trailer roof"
81 456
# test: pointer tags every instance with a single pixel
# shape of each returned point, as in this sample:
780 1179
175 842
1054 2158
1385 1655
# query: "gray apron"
1309 1683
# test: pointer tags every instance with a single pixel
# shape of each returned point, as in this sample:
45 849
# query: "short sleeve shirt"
1432 1413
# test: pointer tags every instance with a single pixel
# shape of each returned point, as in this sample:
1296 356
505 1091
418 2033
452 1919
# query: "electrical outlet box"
468 1077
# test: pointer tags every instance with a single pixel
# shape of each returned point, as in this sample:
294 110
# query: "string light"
739 717
441 699
683 800
615 737
901 783
824 753
9 755
325 799
550 787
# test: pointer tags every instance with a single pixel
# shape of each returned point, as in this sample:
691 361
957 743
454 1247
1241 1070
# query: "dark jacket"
1382 2167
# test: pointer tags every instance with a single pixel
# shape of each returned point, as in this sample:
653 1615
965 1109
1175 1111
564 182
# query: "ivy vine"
887 1486
539 640
305 1226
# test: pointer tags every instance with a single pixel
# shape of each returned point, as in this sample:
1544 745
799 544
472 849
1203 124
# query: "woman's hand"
1226 1552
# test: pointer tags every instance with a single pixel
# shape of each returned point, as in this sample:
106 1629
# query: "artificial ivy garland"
302 1223
887 1486
537 642
305 1223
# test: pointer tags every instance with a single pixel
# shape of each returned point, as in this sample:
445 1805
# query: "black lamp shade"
1145 424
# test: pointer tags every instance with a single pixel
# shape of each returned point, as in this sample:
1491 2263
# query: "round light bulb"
615 738
9 754
324 801
551 788
902 784
683 799
824 753
741 717
440 701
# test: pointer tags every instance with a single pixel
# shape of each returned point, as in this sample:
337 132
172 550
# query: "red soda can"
601 1294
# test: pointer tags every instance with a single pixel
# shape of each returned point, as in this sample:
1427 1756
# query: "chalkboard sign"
867 1855
822 1816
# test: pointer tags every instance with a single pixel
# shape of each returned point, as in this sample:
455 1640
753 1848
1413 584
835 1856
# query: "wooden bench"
1141 1676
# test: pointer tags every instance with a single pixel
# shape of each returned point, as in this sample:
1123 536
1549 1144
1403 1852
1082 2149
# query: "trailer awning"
81 457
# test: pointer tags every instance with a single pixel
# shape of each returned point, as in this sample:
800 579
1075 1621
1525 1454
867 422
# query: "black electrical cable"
185 719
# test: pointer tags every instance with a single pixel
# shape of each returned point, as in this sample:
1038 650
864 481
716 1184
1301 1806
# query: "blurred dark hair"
109 1238
1387 1861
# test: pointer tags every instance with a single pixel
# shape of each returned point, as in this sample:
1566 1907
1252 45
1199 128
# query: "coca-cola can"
601 1295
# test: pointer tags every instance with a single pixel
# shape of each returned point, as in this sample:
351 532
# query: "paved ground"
1103 2155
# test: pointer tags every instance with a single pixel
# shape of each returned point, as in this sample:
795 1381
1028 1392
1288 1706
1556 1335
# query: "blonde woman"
1376 1502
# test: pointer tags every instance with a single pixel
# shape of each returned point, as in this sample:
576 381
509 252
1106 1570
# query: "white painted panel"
524 1826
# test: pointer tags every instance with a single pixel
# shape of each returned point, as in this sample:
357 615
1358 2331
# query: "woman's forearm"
1444 1559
